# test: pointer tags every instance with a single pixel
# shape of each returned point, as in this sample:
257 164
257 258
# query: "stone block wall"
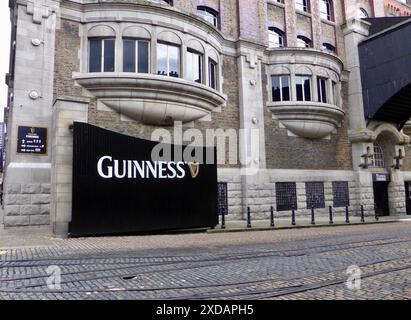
27 204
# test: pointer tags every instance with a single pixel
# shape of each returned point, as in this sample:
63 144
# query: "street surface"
280 264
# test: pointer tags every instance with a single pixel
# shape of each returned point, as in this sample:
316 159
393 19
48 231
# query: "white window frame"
103 41
137 45
168 58
281 87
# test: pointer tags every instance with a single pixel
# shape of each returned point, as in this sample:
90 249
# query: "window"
208 14
328 47
222 198
302 5
378 159
281 88
280 1
362 13
326 10
303 88
212 74
102 56
275 38
286 196
341 194
168 60
194 66
135 56
322 89
168 2
315 195
303 42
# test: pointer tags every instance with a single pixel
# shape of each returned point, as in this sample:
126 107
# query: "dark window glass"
95 55
212 74
286 88
129 57
307 89
109 55
281 88
286 196
143 57
303 88
341 194
276 88
322 90
222 198
315 195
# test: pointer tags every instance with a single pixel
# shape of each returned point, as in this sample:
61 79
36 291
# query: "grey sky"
4 52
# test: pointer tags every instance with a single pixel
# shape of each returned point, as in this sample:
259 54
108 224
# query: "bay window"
135 56
168 60
101 55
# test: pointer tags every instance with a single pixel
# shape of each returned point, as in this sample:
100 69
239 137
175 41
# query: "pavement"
356 262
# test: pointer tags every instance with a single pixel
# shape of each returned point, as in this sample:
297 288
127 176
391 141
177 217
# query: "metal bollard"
223 219
248 217
293 215
347 215
331 215
272 216
362 214
312 215
375 212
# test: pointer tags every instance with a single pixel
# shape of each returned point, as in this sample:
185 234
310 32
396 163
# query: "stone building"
289 69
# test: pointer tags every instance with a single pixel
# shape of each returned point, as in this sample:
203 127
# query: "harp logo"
194 169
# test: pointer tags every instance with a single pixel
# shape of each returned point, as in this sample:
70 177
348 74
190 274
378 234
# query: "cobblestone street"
278 264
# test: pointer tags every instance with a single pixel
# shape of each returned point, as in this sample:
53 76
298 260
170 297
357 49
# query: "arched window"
378 159
303 42
328 47
275 38
208 14
168 2
326 10
362 13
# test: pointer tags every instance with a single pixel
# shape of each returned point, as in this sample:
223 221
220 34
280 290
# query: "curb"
296 227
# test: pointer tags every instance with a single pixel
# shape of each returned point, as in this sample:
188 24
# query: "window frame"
102 52
211 63
281 37
305 40
201 67
168 44
322 91
203 10
136 55
329 6
304 6
281 88
302 76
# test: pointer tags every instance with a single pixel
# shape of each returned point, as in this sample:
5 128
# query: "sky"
4 52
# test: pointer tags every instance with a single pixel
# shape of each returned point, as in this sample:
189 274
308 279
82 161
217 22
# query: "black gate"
118 189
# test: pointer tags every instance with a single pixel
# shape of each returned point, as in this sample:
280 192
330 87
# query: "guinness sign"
119 189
